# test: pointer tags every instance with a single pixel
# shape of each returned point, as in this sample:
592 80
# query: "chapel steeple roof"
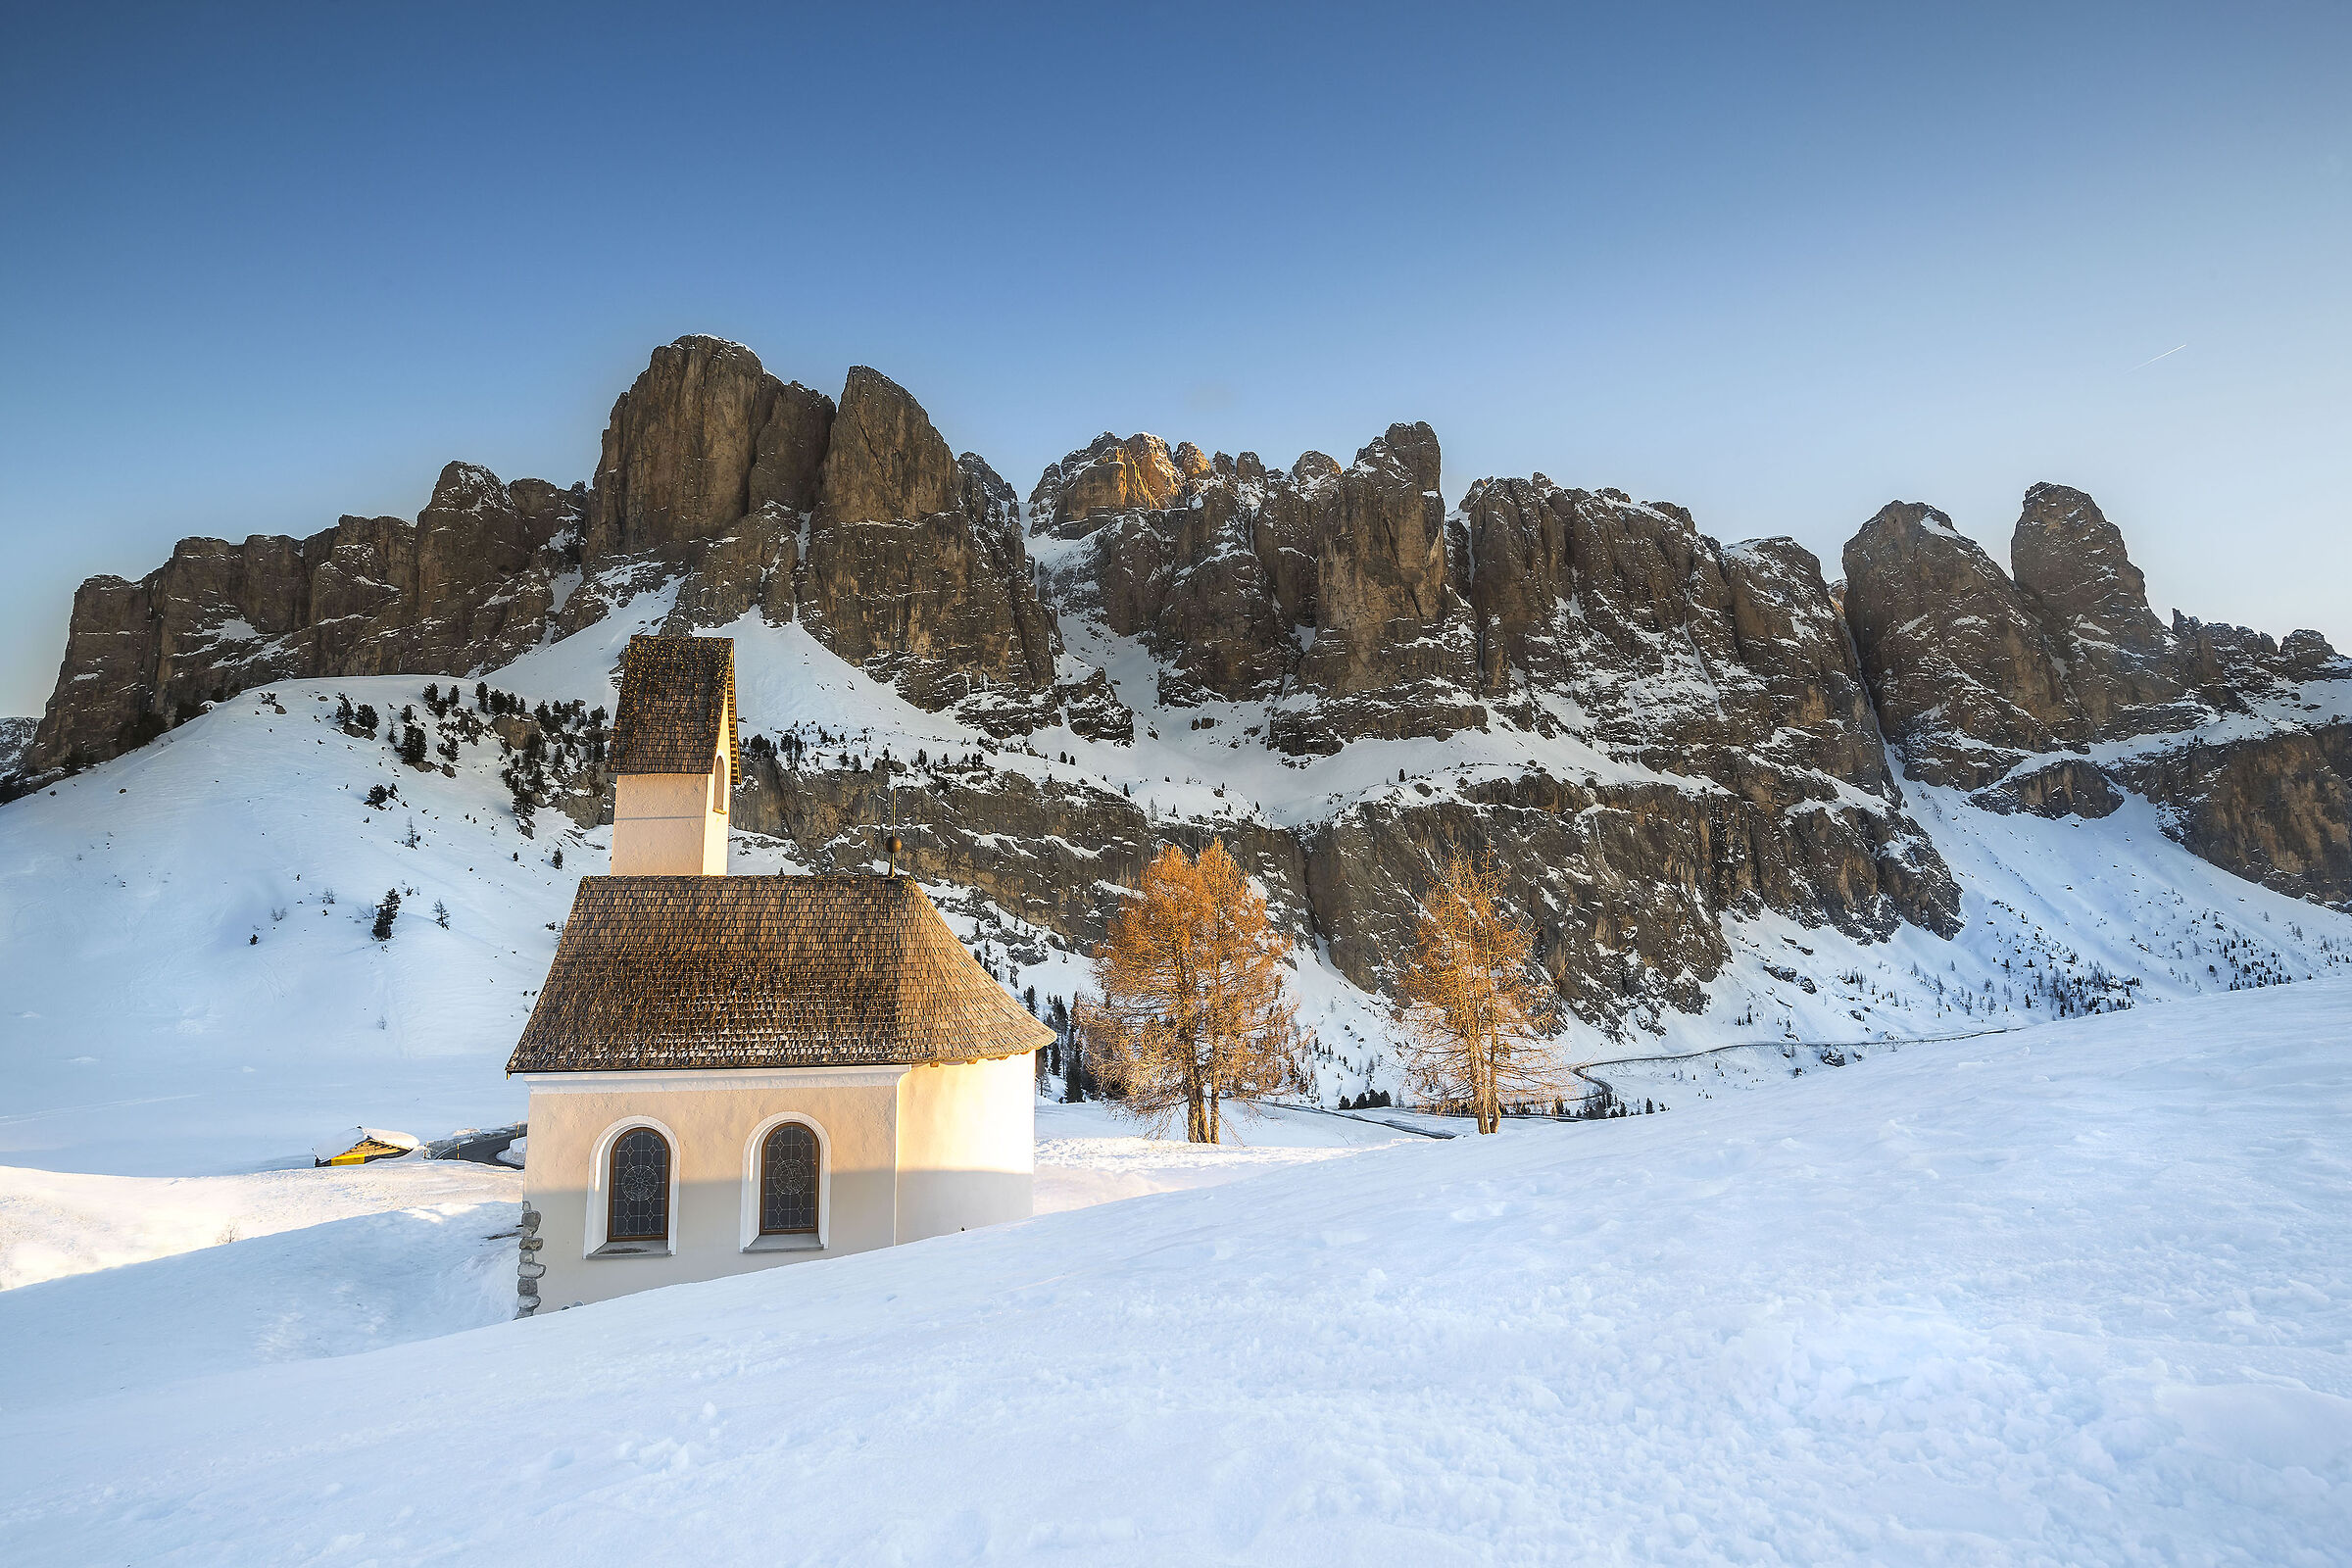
677 699
675 972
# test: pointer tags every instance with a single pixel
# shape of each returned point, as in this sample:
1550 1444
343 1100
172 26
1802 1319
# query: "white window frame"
600 1197
752 1239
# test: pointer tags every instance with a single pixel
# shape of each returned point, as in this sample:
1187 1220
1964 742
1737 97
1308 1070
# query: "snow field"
330 1289
155 1279
2073 1295
1088 1155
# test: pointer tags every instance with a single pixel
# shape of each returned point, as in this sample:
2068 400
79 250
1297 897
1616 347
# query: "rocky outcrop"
1328 592
467 586
2069 788
1619 621
16 743
1962 675
856 519
1165 548
2004 688
1112 478
1039 850
1628 885
751 492
2274 809
1695 733
1392 656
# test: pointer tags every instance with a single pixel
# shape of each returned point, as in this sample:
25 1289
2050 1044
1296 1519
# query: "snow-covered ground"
2073 1295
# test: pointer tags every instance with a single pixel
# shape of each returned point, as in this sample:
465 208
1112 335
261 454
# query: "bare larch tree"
1193 1012
1473 1006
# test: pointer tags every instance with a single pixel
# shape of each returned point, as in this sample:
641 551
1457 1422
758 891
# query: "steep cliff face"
2075 577
16 743
747 492
1703 742
1964 678
916 568
464 587
1393 657
1601 615
1655 737
1135 541
704 436
1327 593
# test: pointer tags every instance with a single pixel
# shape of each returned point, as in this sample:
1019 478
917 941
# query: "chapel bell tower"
673 757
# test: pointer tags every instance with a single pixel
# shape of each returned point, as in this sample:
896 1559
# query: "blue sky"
1778 263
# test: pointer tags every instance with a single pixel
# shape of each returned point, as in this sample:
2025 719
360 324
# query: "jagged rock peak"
1410 449
2079 580
2071 563
1314 468
1137 474
467 585
702 437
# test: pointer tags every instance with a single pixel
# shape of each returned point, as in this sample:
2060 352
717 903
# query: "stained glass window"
788 1182
640 1209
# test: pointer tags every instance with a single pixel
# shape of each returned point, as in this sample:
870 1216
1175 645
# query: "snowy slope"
336 1288
2076 1295
189 981
144 1030
54 1224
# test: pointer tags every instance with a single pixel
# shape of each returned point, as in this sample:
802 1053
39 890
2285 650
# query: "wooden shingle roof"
765 972
677 698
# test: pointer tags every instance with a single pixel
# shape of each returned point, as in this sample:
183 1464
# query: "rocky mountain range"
1671 733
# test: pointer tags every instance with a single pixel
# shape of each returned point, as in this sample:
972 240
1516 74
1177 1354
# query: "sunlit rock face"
704 437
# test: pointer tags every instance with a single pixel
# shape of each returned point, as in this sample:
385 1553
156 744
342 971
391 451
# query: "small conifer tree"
385 913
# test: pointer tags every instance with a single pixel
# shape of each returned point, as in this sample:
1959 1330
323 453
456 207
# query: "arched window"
788 1181
640 1188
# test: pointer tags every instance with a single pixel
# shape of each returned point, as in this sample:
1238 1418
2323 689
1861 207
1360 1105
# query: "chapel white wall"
711 1127
967 1146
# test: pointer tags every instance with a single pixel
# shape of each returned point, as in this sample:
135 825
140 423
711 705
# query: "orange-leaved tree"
1474 1006
1193 1012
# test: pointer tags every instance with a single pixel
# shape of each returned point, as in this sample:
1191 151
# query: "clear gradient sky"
1780 264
